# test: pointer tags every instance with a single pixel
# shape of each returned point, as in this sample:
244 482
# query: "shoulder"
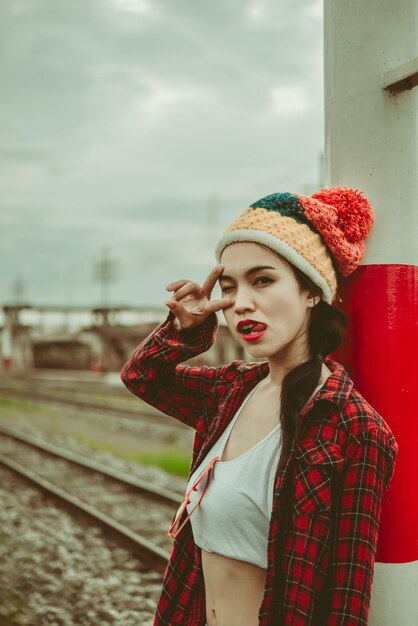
242 373
355 414
359 416
244 370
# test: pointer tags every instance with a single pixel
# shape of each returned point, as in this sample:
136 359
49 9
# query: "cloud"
162 98
142 7
289 100
121 119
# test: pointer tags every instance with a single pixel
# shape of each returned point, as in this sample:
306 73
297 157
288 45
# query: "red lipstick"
251 330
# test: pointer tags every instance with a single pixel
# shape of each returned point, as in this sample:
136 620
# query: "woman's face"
265 292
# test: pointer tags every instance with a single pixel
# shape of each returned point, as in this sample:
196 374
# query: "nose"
243 301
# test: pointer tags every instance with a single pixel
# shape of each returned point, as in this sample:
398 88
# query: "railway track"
135 514
142 420
72 397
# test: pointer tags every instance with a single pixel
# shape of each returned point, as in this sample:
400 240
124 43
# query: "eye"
226 289
265 280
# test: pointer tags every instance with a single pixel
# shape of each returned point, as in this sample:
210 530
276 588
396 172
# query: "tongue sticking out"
257 328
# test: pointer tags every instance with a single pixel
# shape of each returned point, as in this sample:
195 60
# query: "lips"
250 327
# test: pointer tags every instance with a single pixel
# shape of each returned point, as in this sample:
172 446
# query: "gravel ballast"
55 571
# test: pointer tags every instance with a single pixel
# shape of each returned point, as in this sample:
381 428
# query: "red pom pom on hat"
344 218
355 216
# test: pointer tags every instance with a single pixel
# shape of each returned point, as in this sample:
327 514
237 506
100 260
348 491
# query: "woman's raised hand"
191 303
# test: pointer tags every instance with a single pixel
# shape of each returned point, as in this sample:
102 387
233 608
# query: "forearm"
155 374
165 347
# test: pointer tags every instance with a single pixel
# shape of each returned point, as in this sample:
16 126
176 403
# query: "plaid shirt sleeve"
154 374
357 524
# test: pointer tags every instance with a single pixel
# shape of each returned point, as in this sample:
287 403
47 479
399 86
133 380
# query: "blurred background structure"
132 132
81 338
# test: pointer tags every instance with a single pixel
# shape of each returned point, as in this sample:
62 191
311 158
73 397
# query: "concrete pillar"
371 110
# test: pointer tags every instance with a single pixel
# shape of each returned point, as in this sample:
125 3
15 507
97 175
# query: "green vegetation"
100 446
170 459
167 456
114 401
20 405
17 404
174 462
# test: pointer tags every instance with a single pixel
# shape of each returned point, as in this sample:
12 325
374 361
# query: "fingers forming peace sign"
191 303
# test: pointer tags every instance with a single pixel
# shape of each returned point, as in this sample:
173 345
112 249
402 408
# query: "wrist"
195 328
176 325
204 334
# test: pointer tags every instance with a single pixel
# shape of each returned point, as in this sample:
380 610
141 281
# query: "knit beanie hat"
323 235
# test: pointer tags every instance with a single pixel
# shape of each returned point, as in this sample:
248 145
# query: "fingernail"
169 304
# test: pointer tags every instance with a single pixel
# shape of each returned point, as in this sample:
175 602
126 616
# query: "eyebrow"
253 270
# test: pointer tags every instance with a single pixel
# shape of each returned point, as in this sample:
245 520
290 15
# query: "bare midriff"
234 590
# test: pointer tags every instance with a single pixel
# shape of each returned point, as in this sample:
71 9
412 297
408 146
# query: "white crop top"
233 517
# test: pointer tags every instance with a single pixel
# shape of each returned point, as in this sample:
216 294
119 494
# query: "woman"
290 463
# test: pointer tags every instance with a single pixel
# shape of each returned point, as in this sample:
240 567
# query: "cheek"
289 312
228 317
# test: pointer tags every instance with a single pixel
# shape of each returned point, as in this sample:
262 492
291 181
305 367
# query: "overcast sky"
144 127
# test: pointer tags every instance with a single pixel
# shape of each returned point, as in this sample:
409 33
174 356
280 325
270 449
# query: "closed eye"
264 278
265 281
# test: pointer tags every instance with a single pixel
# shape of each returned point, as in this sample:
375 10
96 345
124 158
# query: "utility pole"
371 143
18 290
105 274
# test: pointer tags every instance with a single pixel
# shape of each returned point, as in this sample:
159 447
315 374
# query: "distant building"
104 344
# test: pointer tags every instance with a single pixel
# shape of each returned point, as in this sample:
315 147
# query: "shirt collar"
336 389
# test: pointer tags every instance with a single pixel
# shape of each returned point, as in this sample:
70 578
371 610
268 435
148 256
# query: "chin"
262 352
259 352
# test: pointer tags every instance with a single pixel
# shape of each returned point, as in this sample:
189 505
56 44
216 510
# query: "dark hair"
325 333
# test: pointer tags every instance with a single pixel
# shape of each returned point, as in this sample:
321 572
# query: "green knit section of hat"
284 203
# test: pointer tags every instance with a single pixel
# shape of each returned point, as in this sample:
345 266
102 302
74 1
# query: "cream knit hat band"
312 235
297 244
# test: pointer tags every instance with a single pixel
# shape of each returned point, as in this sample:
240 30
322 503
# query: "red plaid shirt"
327 499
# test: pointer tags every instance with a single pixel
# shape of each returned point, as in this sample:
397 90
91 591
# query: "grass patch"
170 459
108 400
21 405
100 446
17 404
